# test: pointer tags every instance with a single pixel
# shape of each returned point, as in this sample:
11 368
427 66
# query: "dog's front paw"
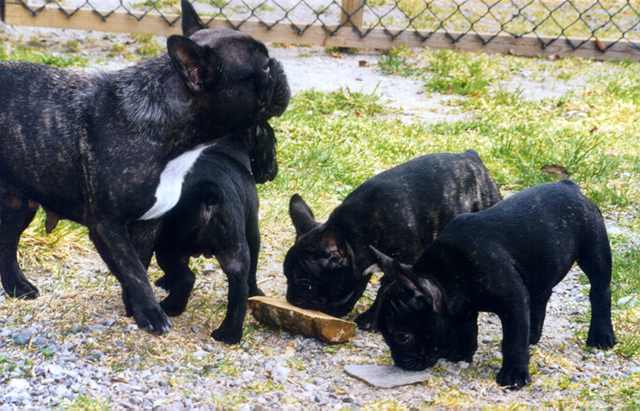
367 322
151 318
457 356
172 307
513 377
256 292
603 339
164 282
24 290
227 335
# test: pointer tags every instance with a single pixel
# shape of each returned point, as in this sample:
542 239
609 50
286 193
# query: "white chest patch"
171 181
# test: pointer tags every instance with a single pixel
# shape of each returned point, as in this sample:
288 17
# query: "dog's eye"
403 338
304 284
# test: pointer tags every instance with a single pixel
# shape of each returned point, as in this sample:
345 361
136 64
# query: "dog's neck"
157 100
234 148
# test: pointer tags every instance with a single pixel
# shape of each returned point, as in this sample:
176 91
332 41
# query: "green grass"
33 55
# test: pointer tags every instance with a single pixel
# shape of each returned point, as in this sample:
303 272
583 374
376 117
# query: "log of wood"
278 313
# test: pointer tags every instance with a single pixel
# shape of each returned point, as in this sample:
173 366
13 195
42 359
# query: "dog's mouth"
414 362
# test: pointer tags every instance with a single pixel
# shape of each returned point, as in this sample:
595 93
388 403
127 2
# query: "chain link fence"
589 28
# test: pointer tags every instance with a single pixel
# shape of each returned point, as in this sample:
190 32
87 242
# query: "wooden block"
277 312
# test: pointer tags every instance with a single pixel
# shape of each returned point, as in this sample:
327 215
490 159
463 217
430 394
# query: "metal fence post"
352 13
2 10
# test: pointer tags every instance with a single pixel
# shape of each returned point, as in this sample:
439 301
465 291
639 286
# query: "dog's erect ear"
384 263
301 215
189 59
190 20
431 296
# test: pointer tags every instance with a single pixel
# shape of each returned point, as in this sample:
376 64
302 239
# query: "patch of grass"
158 4
454 75
72 46
398 61
147 45
87 403
22 53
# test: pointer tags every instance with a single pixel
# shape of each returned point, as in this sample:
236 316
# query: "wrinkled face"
230 76
411 315
415 334
319 278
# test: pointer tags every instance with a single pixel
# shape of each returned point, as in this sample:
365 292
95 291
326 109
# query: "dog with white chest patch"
94 148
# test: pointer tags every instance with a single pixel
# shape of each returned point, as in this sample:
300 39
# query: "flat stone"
279 313
386 376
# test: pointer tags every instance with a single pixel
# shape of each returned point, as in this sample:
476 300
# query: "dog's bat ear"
264 162
430 296
301 215
190 20
384 263
188 59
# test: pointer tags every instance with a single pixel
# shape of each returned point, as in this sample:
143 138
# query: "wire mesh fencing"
591 28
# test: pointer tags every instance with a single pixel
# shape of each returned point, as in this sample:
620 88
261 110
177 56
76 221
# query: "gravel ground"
74 347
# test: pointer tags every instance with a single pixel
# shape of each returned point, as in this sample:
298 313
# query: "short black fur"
218 216
399 211
505 260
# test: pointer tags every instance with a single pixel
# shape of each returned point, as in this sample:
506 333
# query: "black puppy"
92 148
504 260
400 211
218 216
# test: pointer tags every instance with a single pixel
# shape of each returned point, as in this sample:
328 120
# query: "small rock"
95 356
18 385
199 355
55 371
248 375
109 322
62 392
280 374
22 337
39 342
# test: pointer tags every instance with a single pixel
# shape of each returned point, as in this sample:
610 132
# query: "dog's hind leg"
235 264
117 250
538 313
15 215
253 239
178 280
595 261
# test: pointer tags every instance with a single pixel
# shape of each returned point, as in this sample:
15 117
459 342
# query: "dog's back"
41 118
402 209
542 231
223 171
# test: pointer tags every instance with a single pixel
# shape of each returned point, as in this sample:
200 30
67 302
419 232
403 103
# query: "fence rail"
598 29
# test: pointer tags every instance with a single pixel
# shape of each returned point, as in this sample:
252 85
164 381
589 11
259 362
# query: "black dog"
400 211
93 148
504 260
218 216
